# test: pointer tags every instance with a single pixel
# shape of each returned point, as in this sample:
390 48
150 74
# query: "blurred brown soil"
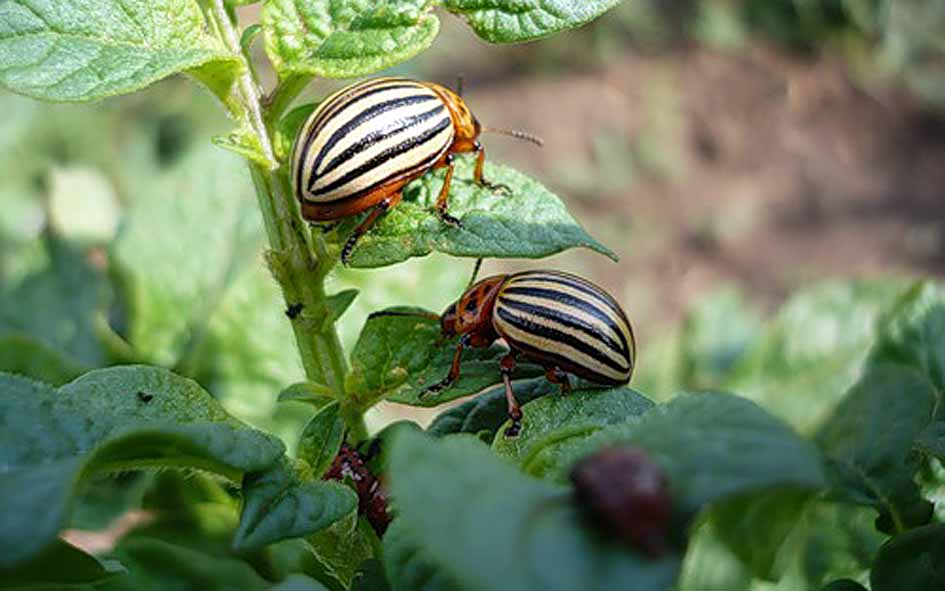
752 167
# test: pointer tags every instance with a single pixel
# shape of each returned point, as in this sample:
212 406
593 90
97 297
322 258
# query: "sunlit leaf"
82 50
531 222
345 39
398 357
514 21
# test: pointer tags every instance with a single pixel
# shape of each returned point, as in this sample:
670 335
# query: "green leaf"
717 333
554 424
106 498
316 395
488 411
495 528
215 316
112 419
23 355
709 564
339 303
755 526
932 440
321 439
343 547
428 282
61 305
74 188
204 199
530 223
371 577
157 564
814 351
514 21
60 566
299 583
283 502
398 357
871 433
186 541
288 128
912 561
345 39
831 541
83 50
244 141
249 353
913 333
407 567
713 446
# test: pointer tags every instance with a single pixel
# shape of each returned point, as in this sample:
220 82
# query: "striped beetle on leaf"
558 320
366 142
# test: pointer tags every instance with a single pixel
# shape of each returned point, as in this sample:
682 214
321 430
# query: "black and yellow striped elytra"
558 320
564 321
368 135
366 142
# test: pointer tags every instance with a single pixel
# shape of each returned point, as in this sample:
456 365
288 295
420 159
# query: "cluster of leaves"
851 377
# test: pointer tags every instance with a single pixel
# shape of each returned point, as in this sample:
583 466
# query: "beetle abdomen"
367 135
561 319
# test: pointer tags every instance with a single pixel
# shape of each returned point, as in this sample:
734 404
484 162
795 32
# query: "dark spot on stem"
294 310
145 397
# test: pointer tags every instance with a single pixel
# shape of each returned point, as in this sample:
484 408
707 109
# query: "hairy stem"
298 265
248 89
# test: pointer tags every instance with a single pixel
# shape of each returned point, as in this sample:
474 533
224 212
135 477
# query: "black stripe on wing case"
361 118
574 282
393 152
362 144
568 320
569 300
559 337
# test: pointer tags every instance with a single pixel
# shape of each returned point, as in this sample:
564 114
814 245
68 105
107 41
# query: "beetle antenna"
460 79
522 135
427 315
475 273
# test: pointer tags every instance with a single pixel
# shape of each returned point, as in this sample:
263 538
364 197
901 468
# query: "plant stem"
298 265
248 89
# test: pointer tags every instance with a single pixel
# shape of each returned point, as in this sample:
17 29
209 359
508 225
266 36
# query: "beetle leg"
443 197
556 375
380 209
477 176
453 375
507 366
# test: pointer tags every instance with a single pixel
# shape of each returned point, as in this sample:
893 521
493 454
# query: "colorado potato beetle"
558 320
366 142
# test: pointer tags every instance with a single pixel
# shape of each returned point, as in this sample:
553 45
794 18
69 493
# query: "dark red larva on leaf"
627 495
372 500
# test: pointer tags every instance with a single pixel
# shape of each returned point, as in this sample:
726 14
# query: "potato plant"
799 454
